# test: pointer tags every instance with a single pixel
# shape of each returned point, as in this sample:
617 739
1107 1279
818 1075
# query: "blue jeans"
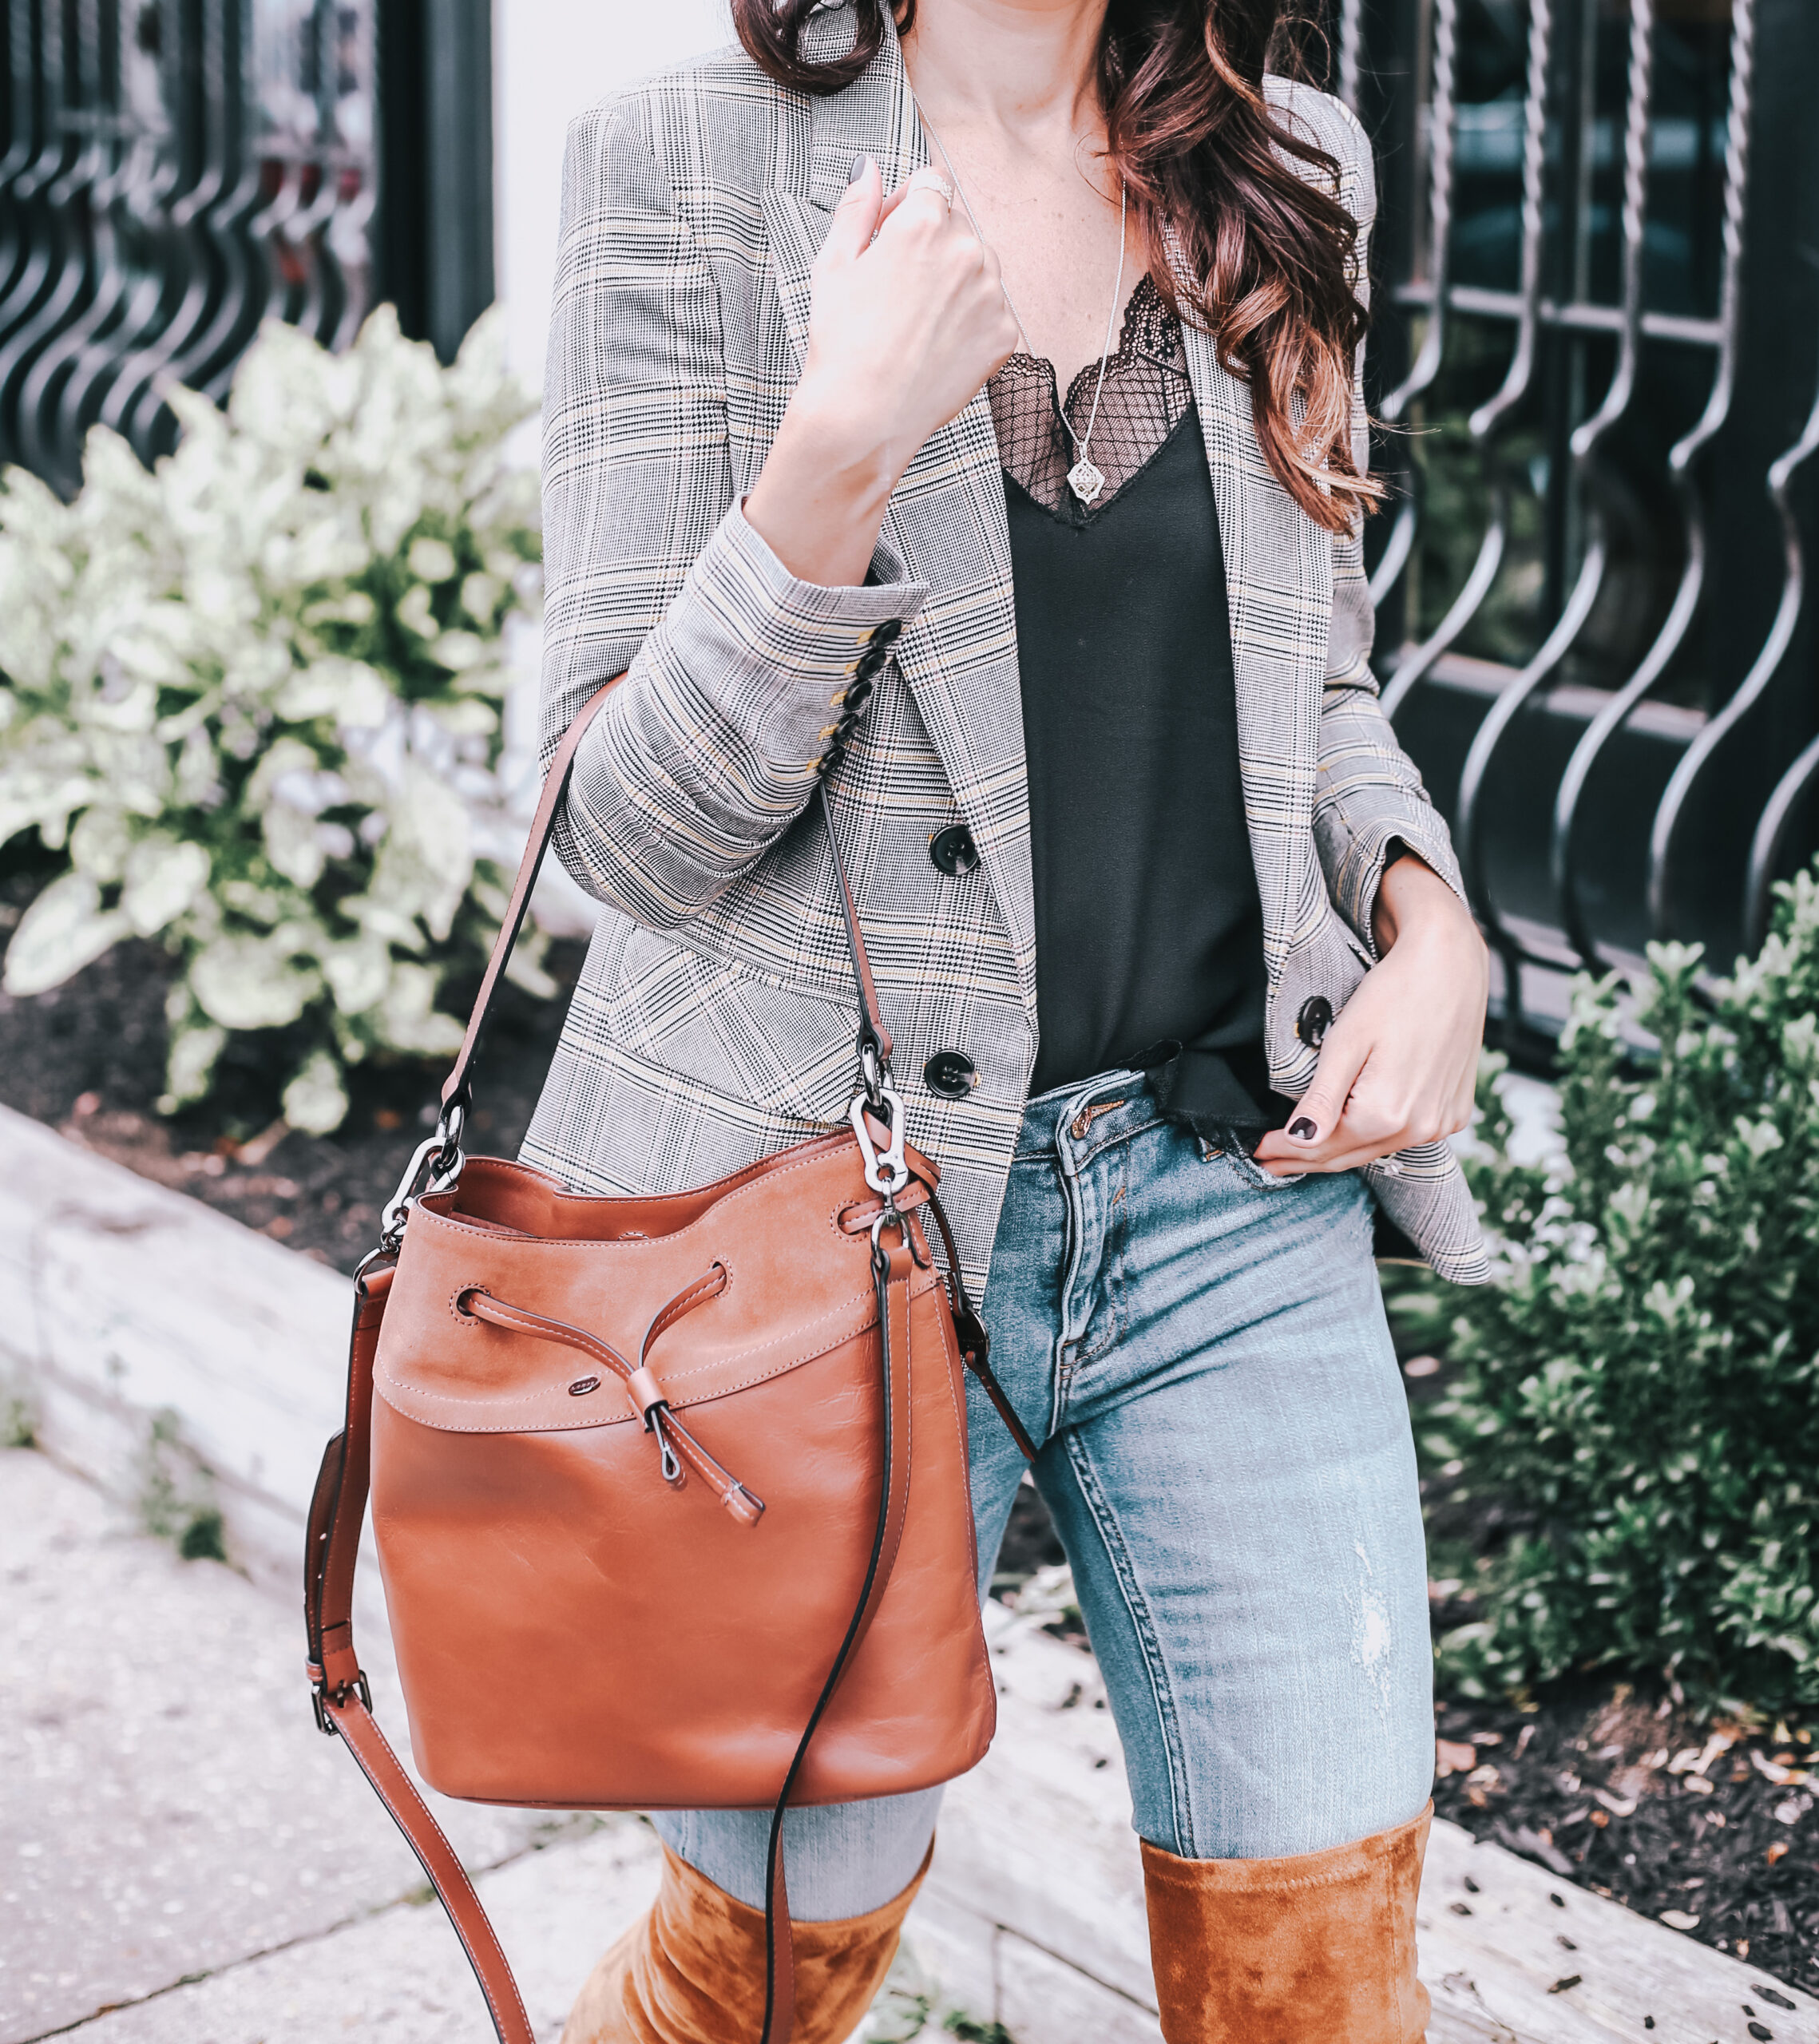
1201 1353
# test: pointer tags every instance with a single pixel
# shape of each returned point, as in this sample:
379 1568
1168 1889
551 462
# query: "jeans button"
1314 1019
952 1074
954 850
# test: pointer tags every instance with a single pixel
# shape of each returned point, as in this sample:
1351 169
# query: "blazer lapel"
1278 567
945 525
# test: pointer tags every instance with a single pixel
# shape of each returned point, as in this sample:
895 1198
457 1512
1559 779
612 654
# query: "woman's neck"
1010 88
1026 69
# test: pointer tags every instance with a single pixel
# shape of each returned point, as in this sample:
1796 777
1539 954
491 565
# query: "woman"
1143 872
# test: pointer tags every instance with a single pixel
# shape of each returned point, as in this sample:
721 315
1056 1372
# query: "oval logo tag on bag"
582 1385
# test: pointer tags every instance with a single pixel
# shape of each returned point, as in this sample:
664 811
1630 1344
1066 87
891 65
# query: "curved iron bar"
307 235
1749 692
42 280
353 224
1587 444
67 217
1443 121
269 229
115 154
347 237
1488 420
205 361
1681 460
150 176
311 233
189 216
1765 846
27 130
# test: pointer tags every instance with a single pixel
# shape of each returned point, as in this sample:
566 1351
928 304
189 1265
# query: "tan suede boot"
1316 1949
692 1971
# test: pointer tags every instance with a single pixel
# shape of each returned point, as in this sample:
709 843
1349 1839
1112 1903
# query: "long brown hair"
1207 162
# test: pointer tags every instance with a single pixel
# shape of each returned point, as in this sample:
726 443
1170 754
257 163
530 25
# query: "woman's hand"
903 329
1400 1065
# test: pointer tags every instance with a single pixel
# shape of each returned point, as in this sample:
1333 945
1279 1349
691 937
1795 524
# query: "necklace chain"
1085 480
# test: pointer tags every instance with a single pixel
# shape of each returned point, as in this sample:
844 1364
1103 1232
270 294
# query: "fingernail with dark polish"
1303 1130
859 169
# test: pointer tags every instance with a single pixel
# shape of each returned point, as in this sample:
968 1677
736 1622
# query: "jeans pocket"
1247 1170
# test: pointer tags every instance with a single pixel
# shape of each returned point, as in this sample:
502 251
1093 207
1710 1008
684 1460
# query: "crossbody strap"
343 1701
457 1090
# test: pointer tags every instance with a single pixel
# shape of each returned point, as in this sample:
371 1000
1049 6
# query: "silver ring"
942 185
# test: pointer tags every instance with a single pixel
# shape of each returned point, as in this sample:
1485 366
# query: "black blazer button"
1314 1019
886 632
954 850
952 1074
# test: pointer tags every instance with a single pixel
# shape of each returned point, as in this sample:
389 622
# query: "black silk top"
1148 928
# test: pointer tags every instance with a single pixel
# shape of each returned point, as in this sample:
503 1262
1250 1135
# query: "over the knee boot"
692 1971
1316 1949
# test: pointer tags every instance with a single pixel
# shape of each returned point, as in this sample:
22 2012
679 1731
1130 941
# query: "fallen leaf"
1778 1851
1677 1920
1454 1756
1782 1776
1617 1805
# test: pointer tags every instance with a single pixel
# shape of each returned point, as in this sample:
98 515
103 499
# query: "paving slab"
169 1806
398 1976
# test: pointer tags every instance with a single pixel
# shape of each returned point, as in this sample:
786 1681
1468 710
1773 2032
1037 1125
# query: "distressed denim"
1201 1353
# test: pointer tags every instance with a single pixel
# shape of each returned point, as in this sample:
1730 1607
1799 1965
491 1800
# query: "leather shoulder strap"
457 1090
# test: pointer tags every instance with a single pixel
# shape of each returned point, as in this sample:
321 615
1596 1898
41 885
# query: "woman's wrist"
1413 901
820 498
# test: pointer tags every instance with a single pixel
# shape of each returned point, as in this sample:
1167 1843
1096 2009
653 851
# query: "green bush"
1640 1392
254 694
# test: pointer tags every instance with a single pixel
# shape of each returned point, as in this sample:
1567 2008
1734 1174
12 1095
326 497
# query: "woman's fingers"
1317 1112
856 217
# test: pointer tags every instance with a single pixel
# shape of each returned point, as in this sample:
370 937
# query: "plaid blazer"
715 1020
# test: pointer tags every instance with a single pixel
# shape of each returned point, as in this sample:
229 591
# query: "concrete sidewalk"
186 1862
183 1860
167 1820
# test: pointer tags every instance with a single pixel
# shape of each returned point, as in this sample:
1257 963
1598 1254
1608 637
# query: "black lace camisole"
1149 931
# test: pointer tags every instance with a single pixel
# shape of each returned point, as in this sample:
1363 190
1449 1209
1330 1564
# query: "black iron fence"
176 171
1597 366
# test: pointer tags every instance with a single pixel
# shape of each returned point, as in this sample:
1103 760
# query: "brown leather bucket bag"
670 1494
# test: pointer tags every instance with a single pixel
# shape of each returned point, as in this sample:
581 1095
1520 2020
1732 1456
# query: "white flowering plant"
254 696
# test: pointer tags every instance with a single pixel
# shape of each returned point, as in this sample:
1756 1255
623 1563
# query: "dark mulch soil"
88 1058
1623 1794
1611 1786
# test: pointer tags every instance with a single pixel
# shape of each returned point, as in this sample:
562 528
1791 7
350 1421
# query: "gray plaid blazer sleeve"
707 751
1367 793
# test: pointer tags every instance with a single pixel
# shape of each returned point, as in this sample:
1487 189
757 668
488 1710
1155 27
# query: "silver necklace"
1083 479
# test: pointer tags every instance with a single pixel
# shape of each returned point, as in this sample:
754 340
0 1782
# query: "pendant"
1085 480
